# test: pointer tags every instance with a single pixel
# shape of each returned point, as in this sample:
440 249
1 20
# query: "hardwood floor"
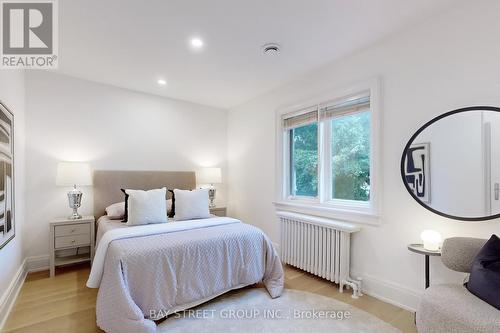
65 304
59 304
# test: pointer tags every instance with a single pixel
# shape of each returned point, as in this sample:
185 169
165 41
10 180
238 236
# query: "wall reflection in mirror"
452 164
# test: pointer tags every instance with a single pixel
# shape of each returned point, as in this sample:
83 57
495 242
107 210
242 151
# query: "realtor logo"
29 34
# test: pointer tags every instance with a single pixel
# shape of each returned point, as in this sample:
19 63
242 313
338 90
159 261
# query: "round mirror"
451 165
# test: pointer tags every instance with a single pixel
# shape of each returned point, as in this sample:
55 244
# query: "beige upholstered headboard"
107 184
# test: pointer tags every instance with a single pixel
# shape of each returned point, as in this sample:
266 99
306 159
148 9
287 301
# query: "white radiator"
319 246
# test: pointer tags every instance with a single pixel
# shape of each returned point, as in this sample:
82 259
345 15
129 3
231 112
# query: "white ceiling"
131 43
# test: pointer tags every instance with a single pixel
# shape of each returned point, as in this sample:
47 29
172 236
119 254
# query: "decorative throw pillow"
191 204
144 207
125 214
169 207
171 213
484 279
116 211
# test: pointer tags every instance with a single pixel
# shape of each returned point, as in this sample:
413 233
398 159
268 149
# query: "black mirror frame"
414 136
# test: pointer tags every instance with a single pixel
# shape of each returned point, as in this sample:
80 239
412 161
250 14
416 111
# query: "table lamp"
209 176
432 240
74 174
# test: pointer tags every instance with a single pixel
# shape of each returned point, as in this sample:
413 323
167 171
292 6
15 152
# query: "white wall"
448 62
11 256
114 129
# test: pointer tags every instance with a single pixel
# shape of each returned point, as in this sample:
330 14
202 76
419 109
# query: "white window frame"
323 205
286 176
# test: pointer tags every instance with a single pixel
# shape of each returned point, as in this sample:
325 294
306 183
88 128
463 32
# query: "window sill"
322 210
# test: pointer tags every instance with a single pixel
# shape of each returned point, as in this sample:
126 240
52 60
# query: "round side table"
419 248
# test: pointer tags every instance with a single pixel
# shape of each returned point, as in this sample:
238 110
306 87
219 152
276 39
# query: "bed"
147 272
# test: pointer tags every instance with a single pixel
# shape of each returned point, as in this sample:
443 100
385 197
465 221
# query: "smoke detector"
271 49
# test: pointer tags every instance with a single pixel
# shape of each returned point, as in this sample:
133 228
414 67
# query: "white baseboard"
390 292
38 263
9 297
30 264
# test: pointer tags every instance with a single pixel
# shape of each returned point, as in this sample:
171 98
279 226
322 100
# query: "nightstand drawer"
67 233
76 240
72 229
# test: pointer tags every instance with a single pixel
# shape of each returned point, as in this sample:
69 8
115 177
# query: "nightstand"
71 241
218 211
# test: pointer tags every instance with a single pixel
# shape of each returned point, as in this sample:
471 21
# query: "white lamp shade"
432 240
73 173
209 176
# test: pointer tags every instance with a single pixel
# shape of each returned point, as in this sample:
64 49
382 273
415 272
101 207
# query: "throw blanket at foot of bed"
169 268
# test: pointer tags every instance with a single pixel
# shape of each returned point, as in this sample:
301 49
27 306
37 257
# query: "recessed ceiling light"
162 82
196 43
271 49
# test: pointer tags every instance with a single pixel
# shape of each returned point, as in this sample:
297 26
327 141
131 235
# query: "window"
350 158
328 155
304 160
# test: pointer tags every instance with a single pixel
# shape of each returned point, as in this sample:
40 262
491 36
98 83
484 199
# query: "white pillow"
191 204
146 207
116 211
